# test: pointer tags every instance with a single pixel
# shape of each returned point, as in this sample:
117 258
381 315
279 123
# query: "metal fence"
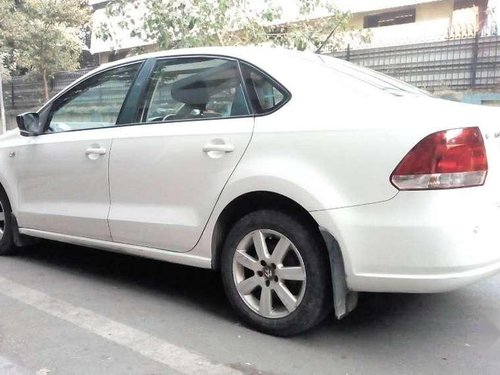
28 92
456 64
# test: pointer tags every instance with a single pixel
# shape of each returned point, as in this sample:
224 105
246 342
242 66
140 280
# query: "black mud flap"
21 240
344 300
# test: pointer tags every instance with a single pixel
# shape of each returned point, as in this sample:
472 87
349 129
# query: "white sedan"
302 179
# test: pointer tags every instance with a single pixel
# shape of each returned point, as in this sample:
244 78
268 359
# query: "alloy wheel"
269 273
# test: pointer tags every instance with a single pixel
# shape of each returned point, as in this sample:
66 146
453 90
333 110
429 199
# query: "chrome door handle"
224 147
95 151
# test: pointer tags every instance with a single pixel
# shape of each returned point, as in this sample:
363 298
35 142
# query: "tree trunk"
45 85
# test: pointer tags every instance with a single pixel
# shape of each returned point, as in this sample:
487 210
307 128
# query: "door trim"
144 252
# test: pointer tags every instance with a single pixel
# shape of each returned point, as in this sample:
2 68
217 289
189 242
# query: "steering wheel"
170 116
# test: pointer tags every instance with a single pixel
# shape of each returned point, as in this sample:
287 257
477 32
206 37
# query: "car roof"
262 57
244 53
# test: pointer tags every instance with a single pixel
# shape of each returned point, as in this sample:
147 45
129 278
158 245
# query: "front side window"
194 88
94 103
266 95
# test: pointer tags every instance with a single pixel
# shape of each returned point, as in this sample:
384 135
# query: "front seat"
194 95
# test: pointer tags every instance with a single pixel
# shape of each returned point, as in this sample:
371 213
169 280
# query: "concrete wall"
105 57
484 98
357 21
432 22
479 97
432 11
10 117
11 113
438 10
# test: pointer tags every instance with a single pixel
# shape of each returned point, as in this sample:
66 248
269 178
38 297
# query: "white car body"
331 149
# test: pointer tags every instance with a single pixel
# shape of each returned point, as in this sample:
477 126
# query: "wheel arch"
8 178
9 193
249 202
344 300
18 239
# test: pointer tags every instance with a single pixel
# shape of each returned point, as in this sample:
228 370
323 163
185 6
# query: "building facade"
421 21
389 22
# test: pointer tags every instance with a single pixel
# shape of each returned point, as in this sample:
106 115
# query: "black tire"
316 302
7 246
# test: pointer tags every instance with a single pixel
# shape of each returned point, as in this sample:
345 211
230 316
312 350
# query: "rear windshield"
373 78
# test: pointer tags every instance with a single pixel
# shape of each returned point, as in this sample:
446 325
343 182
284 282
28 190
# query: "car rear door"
167 172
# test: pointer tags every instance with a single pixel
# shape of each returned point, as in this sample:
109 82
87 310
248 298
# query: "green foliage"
42 36
9 20
179 23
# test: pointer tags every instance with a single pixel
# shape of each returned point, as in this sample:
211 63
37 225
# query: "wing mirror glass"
29 124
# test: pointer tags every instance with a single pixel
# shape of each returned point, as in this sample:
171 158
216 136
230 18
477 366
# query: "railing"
28 92
456 64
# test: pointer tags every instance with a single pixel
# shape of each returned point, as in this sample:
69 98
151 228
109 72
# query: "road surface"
71 310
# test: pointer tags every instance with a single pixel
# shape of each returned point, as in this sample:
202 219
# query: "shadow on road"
150 276
378 315
387 333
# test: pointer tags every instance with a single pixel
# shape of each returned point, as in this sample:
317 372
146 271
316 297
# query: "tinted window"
266 95
194 88
94 103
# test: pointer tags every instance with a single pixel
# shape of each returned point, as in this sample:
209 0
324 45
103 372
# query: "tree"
42 36
178 23
320 24
10 20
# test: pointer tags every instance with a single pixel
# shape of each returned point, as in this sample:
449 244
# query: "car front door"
167 172
63 174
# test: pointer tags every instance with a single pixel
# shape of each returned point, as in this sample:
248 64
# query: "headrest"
193 93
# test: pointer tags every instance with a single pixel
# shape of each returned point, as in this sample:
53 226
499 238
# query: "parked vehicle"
302 179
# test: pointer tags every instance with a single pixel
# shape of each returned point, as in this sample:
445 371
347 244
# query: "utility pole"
3 122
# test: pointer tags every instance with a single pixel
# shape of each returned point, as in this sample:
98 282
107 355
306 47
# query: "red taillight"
444 160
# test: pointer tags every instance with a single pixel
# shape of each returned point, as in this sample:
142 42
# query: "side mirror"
29 124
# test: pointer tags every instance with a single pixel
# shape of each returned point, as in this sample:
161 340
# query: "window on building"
390 18
464 4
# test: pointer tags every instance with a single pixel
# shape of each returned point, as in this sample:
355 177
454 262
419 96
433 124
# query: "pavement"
72 310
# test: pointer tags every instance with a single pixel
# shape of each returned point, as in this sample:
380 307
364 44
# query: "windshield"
374 78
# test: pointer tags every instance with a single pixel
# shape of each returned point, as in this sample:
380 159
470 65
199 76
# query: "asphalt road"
70 310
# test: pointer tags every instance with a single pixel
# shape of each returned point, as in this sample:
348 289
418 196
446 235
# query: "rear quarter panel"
337 141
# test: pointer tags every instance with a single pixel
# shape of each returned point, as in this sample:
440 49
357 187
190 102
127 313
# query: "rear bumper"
418 242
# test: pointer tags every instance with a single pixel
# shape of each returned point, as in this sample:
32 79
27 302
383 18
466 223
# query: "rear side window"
266 94
194 88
